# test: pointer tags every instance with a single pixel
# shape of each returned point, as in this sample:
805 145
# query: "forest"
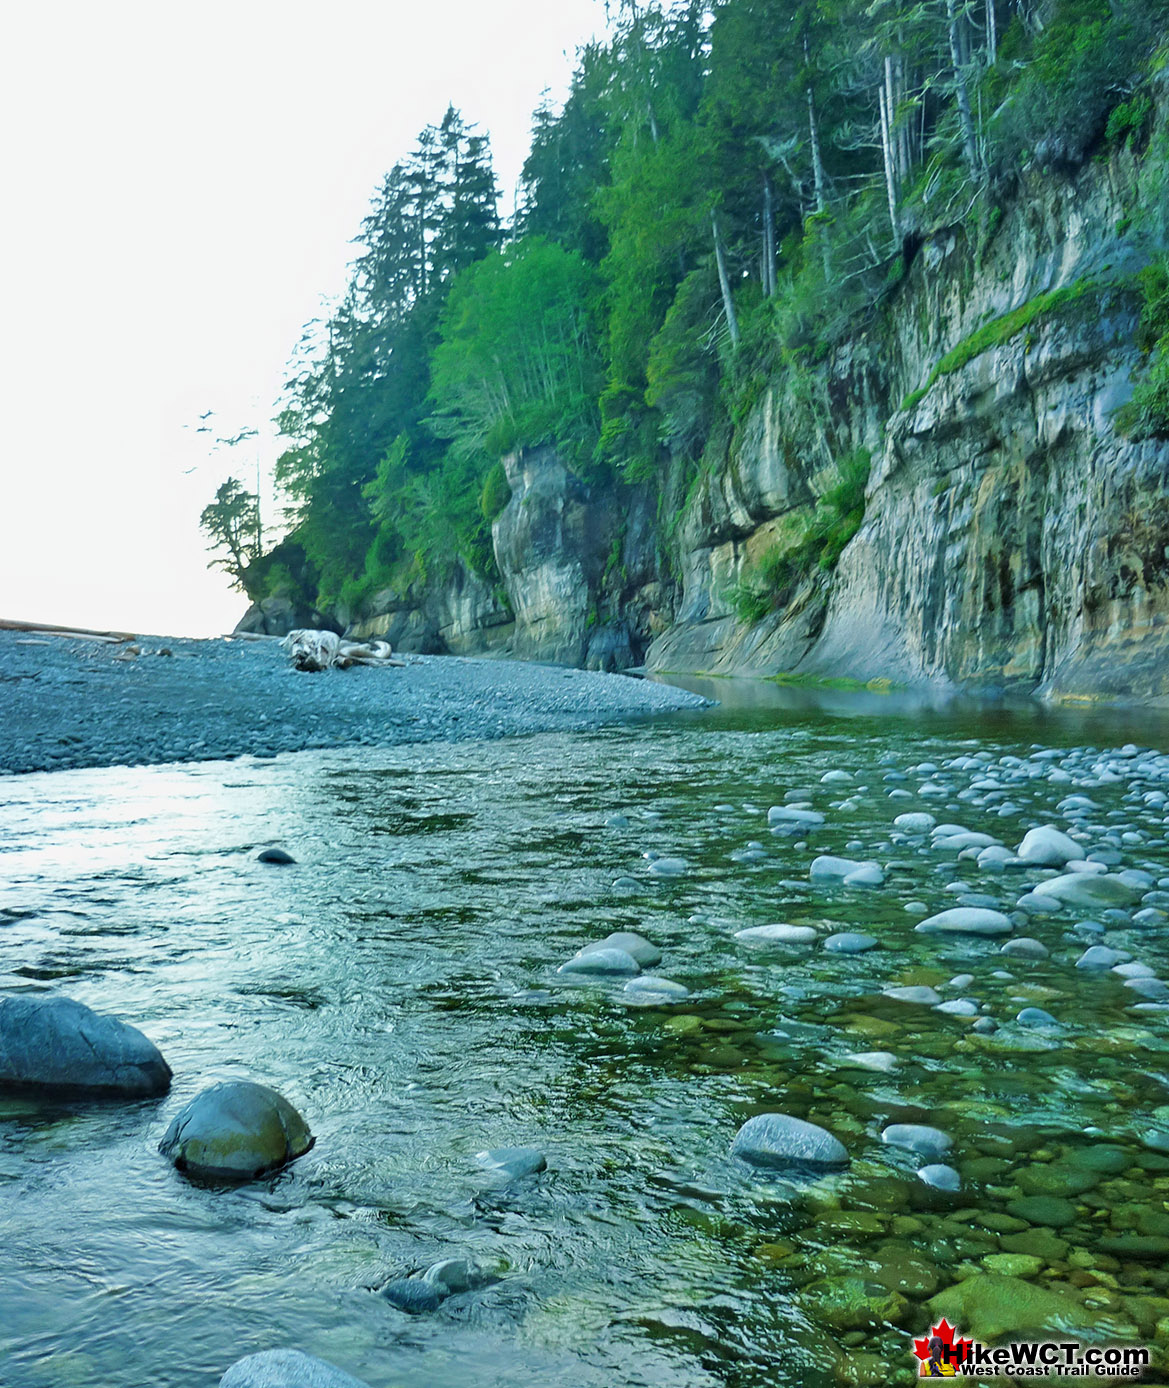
728 190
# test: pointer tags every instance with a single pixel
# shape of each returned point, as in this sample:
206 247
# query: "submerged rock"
965 920
991 1307
646 954
601 960
235 1131
778 1141
649 986
51 1042
286 1368
414 1295
777 935
275 855
847 870
511 1163
916 1137
1086 889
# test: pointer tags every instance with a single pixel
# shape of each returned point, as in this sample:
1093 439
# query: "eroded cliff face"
1013 537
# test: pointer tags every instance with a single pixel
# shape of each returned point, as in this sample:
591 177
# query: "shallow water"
399 985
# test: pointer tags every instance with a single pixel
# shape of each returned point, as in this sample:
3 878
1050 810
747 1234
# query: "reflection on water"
399 985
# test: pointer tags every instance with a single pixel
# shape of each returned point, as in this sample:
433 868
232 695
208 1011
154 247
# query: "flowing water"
399 985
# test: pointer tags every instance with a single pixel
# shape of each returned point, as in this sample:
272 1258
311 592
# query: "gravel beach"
76 703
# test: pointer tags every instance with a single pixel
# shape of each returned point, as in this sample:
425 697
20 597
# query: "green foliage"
232 523
837 517
1001 330
1129 120
496 493
1147 414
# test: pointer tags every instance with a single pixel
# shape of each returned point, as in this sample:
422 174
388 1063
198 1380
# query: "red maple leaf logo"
941 1351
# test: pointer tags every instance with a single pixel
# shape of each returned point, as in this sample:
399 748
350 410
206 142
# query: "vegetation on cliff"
729 190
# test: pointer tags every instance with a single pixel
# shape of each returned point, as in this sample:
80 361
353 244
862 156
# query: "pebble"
668 867
777 935
1024 947
286 1368
413 1295
1036 1017
940 1176
917 993
645 953
965 920
917 1137
275 855
1047 846
512 1163
649 986
850 942
779 1141
1100 956
601 960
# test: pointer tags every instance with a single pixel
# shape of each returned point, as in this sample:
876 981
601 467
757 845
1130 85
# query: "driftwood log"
325 650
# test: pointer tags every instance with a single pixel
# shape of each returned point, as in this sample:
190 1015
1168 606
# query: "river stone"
51 1042
601 960
414 1295
1138 1247
1026 948
286 1368
776 935
275 855
650 986
785 818
1101 957
1049 1211
1036 1017
850 942
235 1131
915 823
829 869
512 1162
778 1141
1056 1178
646 954
1084 889
965 920
940 1176
916 1137
1046 846
958 1007
915 993
668 867
991 1307
853 1303
1013 1264
454 1275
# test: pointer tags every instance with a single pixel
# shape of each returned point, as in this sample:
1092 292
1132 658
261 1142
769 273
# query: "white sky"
180 184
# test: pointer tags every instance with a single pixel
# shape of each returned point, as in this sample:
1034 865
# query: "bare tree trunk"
966 120
992 37
887 160
818 181
724 282
769 285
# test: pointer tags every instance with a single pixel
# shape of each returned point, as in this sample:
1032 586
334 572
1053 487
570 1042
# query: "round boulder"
235 1131
286 1368
778 1141
51 1042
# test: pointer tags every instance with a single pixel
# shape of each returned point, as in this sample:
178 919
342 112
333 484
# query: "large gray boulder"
286 1368
779 1141
51 1042
235 1131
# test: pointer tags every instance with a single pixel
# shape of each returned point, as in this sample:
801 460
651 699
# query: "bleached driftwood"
75 633
324 650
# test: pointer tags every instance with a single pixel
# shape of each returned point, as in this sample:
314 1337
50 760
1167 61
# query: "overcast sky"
182 183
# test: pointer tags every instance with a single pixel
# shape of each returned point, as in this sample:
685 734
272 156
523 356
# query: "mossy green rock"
1055 1179
991 1307
1048 1210
1037 1243
907 1273
853 1303
235 1131
1013 1264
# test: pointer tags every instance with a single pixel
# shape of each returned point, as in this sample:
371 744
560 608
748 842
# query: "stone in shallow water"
636 945
413 1295
881 1062
850 942
1025 948
917 823
965 920
618 821
1046 846
1036 1017
286 1368
914 993
958 1007
601 961
275 855
1085 889
668 867
235 1131
512 1162
776 935
779 1142
991 1307
1101 957
51 1042
1050 1211
940 1176
650 986
916 1137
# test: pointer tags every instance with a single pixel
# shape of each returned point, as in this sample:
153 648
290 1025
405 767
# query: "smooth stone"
867 875
275 855
850 942
1101 957
918 993
633 944
413 1295
453 1275
1037 905
601 961
961 981
965 920
286 1368
836 778
234 1131
1084 889
620 821
1013 1264
1139 1247
989 1306
955 843
940 1176
1050 1211
783 816
994 854
852 1303
829 869
881 1062
1036 1017
981 901
915 823
958 1007
1056 1178
51 1042
512 1162
1046 846
668 867
1024 947
650 986
1153 988
776 935
778 1141
1134 970
626 885
916 1137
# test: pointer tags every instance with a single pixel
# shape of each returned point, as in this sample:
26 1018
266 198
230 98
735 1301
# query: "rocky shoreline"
71 703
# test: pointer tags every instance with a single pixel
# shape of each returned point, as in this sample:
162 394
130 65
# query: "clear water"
399 985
